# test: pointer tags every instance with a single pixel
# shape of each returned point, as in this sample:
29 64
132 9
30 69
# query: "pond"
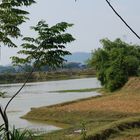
38 94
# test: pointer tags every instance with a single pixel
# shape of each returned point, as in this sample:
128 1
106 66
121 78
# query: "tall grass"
16 134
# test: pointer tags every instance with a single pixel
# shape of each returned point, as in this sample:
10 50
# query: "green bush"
115 62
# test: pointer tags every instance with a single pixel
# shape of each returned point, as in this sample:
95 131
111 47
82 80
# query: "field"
112 116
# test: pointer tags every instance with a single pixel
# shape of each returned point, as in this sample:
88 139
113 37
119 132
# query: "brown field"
120 103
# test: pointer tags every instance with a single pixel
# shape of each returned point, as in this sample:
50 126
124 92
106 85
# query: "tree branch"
122 19
18 90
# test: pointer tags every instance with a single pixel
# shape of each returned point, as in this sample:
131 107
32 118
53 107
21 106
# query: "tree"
115 62
11 16
47 48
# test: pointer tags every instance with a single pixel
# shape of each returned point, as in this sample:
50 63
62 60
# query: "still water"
38 94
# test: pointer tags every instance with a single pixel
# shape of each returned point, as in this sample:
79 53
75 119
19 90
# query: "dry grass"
120 102
132 85
125 100
96 111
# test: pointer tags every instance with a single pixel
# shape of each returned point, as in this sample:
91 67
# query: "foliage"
7 69
115 63
16 134
1 130
83 132
49 46
11 16
28 67
72 65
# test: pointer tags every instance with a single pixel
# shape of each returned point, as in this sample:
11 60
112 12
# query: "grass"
78 90
95 121
3 94
110 116
114 128
129 134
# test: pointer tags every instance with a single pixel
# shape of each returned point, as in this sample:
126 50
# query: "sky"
93 20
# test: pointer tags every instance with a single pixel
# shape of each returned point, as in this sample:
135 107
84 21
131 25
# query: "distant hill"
79 57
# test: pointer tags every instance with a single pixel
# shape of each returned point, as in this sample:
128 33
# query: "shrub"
115 62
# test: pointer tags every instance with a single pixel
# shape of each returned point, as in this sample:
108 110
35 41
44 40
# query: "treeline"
46 76
28 68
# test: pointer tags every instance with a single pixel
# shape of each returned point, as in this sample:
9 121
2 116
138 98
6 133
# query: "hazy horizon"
79 57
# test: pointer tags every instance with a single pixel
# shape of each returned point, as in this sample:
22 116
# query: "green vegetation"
17 134
97 124
49 47
129 134
47 76
115 63
11 17
78 90
2 94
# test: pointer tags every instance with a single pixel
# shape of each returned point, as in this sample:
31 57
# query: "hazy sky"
92 19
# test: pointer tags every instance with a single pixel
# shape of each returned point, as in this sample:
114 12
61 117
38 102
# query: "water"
37 95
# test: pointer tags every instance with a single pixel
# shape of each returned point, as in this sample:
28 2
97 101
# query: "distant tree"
7 69
27 67
115 62
45 68
72 65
